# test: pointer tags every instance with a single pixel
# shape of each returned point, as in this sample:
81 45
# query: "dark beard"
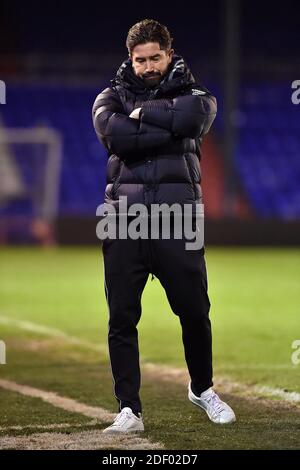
152 82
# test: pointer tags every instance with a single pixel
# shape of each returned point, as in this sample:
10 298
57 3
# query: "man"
151 120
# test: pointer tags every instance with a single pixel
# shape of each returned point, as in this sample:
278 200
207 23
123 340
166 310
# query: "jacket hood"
178 75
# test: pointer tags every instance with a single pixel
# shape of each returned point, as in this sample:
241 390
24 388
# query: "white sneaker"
126 421
217 410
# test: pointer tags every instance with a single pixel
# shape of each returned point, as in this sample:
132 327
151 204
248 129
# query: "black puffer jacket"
155 159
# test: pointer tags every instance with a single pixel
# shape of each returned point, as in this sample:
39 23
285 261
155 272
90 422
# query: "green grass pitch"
255 299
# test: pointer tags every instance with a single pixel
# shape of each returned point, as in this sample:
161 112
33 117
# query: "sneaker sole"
113 431
123 432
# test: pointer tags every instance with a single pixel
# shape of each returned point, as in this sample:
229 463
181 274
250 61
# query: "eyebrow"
151 57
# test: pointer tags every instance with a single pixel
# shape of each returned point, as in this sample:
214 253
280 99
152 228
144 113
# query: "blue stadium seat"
267 157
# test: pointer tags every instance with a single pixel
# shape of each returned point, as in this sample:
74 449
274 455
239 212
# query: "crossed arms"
153 125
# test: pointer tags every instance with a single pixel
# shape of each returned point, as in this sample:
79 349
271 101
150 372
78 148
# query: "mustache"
155 74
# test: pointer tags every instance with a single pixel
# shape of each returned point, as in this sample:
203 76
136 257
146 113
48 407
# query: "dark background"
56 57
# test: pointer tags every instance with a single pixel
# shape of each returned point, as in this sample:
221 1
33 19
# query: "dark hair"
148 31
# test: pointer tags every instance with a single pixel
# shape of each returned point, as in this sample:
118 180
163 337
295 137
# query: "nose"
150 67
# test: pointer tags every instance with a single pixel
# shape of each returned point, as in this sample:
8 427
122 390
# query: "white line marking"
159 370
84 440
47 426
278 393
96 437
54 399
180 376
49 331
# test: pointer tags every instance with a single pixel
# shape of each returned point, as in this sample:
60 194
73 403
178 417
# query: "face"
150 63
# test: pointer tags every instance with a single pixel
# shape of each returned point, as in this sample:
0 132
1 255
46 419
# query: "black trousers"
182 273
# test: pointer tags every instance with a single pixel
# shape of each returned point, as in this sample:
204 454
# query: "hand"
135 113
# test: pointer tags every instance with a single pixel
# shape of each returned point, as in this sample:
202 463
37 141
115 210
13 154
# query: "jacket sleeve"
189 115
121 134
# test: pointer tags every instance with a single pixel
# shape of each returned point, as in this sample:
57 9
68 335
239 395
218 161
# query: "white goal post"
52 139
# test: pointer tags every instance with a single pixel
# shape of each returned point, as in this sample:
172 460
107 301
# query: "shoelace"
215 402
